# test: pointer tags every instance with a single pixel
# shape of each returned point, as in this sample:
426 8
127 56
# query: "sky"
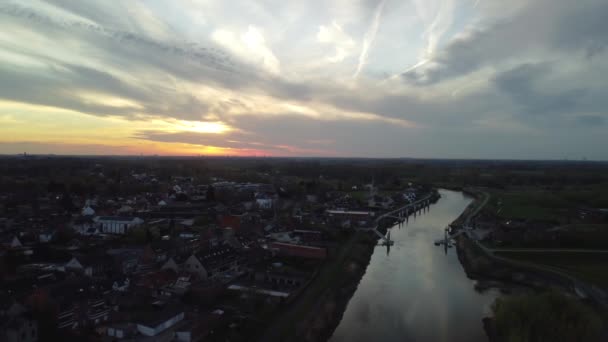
348 78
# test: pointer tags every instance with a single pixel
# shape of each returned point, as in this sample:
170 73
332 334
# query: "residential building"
159 321
301 251
117 224
84 313
218 263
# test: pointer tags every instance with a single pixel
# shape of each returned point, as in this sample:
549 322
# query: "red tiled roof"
300 251
233 222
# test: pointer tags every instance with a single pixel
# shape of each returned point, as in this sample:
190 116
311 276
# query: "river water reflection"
415 292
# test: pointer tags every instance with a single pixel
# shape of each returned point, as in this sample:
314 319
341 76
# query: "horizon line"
5 155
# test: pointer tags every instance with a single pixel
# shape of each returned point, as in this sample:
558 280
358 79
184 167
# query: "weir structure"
400 215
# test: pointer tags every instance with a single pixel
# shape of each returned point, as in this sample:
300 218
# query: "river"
415 291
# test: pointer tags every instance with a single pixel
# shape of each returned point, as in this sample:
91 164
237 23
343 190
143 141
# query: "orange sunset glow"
361 79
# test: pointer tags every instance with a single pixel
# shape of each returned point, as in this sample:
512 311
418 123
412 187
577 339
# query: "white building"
75 265
15 243
264 203
117 224
125 209
46 236
85 225
286 237
88 211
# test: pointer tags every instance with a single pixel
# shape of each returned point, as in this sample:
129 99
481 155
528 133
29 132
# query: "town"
274 249
106 249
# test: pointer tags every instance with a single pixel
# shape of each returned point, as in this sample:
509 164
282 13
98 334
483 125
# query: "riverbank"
316 313
327 313
478 265
494 271
475 262
481 264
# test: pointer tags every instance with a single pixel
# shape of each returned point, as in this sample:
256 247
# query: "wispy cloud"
368 39
206 55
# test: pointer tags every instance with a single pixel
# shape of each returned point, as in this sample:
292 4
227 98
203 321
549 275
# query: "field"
540 204
593 236
591 267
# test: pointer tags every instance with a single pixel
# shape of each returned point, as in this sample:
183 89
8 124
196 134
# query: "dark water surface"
416 292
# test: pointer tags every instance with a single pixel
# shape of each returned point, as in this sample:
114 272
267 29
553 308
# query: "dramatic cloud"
536 31
522 85
432 78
